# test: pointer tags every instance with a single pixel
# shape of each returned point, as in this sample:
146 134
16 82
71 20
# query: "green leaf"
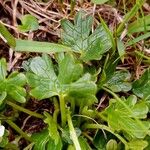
40 47
12 86
84 144
29 23
45 83
147 138
120 81
137 39
99 1
100 140
71 147
52 128
137 144
71 72
78 37
121 49
7 36
2 97
108 71
65 134
44 142
141 87
3 69
52 146
121 119
111 145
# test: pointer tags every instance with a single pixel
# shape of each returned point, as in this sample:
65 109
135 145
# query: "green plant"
70 83
73 86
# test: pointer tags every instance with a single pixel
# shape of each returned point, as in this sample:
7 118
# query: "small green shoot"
29 23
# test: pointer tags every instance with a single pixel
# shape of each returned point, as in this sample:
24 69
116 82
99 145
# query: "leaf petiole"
62 109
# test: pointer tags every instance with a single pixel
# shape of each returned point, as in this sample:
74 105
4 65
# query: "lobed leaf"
79 37
12 86
120 81
70 82
43 141
120 119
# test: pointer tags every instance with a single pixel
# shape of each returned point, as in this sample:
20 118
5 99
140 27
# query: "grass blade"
129 15
135 40
40 47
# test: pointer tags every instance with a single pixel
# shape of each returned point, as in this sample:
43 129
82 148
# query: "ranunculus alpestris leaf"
78 36
121 119
11 86
137 144
70 82
120 81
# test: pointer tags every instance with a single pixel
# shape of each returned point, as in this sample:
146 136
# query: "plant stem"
98 126
73 134
31 113
15 127
63 110
87 136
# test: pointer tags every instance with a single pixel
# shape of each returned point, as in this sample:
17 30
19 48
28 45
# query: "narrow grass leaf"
135 40
41 47
99 1
121 49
